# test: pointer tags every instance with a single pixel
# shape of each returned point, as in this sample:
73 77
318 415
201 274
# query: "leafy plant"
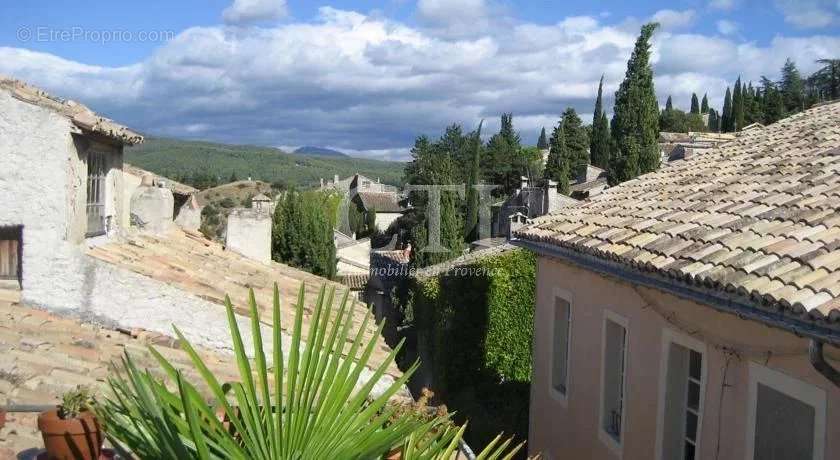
308 401
74 402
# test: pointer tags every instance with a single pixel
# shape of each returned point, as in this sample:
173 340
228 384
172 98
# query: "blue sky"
368 76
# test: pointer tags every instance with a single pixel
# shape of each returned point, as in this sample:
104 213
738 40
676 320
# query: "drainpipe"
815 355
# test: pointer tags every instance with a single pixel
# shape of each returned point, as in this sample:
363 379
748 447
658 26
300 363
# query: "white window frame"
606 438
804 392
562 399
670 336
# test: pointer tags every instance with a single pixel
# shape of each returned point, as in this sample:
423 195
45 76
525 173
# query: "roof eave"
723 303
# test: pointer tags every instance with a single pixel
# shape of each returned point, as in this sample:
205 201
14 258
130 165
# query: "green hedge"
476 322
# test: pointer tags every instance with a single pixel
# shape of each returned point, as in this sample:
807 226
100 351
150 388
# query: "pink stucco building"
694 313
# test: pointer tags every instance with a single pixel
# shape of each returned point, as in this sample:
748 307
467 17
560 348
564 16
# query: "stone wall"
249 234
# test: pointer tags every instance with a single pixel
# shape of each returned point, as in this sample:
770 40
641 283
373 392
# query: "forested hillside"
206 164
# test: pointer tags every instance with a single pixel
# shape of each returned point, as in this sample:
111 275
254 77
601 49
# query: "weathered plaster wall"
249 234
570 429
130 184
152 208
189 215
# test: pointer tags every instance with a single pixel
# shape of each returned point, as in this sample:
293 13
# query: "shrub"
311 404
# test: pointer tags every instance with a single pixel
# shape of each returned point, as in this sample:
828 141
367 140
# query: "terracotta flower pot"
74 439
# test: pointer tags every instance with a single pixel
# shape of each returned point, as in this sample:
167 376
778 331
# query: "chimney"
322 182
523 183
335 179
152 208
551 198
249 234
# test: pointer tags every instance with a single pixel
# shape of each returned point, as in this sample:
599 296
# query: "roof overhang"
780 319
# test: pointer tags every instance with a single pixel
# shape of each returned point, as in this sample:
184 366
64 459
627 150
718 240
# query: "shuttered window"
10 252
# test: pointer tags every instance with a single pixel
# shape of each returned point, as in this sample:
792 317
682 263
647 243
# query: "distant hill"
319 151
186 161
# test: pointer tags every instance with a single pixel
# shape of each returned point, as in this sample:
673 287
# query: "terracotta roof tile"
756 216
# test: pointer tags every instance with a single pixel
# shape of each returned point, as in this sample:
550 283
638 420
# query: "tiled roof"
43 355
79 114
190 262
755 219
381 201
175 186
354 281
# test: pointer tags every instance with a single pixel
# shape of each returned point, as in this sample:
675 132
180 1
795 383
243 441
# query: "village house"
528 201
694 312
92 262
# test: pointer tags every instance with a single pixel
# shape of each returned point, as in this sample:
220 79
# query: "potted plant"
71 431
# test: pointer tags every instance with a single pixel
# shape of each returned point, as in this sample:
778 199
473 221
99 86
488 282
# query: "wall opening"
11 253
96 174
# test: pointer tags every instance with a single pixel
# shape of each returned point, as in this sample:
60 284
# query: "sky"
367 77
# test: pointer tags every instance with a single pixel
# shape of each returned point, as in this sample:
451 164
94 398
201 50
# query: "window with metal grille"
96 193
562 323
11 250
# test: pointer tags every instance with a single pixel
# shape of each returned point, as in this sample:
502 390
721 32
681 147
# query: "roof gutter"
815 355
777 319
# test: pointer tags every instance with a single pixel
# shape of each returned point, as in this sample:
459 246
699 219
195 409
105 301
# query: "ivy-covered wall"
474 326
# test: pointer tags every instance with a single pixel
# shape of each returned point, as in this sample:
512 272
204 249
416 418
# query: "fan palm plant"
311 403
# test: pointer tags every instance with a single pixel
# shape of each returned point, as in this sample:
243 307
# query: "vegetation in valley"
206 164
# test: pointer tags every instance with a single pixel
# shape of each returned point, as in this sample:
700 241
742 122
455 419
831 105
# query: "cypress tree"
599 145
726 115
557 166
471 222
792 88
635 123
669 105
695 105
542 142
738 106
577 143
704 106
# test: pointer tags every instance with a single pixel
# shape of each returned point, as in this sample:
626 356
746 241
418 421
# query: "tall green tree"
704 106
773 104
738 105
577 143
558 166
635 123
726 121
792 88
471 222
302 233
599 146
695 105
825 82
504 152
542 142
669 104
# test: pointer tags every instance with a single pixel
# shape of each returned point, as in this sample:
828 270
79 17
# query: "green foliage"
577 143
542 142
727 122
471 222
205 164
792 88
557 166
478 329
302 232
504 153
306 401
695 105
704 106
677 121
635 123
75 401
599 146
738 106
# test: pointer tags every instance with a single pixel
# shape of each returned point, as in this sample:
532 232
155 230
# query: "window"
682 386
96 194
786 417
10 252
560 349
613 378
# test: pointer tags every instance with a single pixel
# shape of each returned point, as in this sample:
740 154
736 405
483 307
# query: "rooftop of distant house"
753 221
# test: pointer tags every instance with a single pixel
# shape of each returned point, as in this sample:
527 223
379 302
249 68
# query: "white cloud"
368 84
447 11
727 27
808 14
722 4
247 11
671 19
